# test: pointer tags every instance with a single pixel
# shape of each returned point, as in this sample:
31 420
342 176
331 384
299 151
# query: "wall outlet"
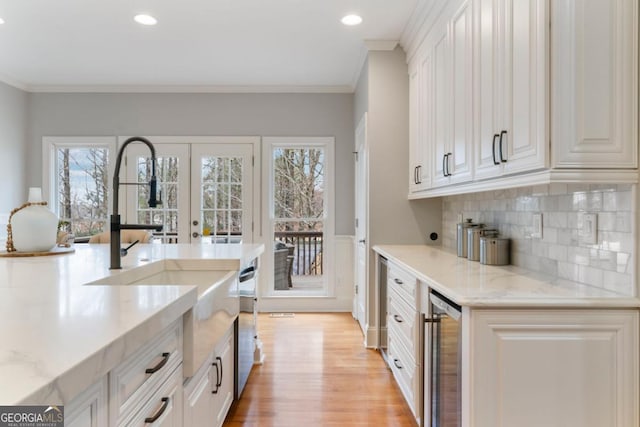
590 229
536 227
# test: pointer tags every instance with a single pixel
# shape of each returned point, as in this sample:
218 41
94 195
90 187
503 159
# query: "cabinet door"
198 398
486 91
415 124
553 368
223 368
595 73
90 408
440 79
523 143
461 108
511 87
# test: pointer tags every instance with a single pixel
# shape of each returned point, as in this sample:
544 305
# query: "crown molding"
15 83
421 20
187 89
380 44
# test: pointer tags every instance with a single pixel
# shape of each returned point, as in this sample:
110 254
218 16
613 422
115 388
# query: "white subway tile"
590 276
555 219
558 189
568 271
607 221
558 252
618 282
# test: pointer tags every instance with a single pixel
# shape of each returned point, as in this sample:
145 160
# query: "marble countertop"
58 337
472 284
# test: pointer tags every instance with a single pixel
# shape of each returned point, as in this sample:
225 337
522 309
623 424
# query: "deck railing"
307 254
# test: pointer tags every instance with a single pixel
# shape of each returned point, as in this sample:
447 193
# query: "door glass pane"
221 193
166 214
298 208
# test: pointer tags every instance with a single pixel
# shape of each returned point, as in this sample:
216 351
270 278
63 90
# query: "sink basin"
215 311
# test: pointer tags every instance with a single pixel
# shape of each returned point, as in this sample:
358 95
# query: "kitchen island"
511 347
60 337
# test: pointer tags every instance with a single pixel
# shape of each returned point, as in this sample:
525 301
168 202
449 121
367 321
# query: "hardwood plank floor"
318 373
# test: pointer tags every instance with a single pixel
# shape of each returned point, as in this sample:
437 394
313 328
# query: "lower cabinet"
564 368
164 407
89 409
209 393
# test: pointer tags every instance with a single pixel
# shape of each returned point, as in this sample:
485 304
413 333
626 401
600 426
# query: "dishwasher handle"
247 274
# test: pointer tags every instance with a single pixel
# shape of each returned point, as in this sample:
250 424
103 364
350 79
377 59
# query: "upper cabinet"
520 92
594 72
510 87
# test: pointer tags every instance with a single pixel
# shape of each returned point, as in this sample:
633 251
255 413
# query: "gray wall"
393 218
85 114
383 91
13 143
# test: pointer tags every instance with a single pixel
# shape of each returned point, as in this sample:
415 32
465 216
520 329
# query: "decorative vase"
34 228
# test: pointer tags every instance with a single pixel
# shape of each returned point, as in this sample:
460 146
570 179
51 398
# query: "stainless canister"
473 241
494 250
462 236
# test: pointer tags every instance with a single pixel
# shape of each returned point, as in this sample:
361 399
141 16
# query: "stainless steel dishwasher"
442 332
245 325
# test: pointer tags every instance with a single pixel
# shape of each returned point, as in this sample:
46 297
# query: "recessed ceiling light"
351 20
145 19
1 21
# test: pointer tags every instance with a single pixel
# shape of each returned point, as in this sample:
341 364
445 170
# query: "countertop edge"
613 302
66 386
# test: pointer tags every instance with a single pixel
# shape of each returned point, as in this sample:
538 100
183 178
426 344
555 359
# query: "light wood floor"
317 373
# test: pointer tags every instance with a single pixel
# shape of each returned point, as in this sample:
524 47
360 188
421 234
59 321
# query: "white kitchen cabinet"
594 68
208 395
404 328
554 94
450 80
420 178
134 381
552 368
164 407
510 87
90 408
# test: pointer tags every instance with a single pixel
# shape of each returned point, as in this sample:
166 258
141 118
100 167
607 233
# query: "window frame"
328 145
50 144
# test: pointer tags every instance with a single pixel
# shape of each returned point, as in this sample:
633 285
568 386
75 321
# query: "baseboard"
371 337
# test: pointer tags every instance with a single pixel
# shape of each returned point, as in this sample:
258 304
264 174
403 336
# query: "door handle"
419 174
503 133
493 149
195 235
397 318
363 241
444 166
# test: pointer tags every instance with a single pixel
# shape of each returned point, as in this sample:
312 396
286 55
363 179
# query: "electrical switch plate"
590 228
536 229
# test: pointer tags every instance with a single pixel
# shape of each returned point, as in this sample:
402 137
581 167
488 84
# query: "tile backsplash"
562 251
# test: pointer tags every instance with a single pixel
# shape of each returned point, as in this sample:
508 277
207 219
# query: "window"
77 182
301 219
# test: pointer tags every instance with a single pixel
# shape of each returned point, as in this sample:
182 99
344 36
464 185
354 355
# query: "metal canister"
494 250
462 236
473 240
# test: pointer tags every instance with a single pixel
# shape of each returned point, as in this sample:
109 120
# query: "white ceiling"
62 44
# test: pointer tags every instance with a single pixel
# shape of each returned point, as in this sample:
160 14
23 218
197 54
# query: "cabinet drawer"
403 282
144 371
164 407
404 321
405 371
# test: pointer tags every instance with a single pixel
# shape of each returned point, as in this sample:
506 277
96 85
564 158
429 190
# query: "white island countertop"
58 336
472 284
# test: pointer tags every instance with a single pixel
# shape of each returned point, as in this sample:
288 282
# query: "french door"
206 190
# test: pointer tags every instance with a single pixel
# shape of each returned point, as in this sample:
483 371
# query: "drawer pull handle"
218 380
158 414
165 359
219 359
395 362
397 318
398 281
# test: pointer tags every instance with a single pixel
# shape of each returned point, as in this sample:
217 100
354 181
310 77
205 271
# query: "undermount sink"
215 311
